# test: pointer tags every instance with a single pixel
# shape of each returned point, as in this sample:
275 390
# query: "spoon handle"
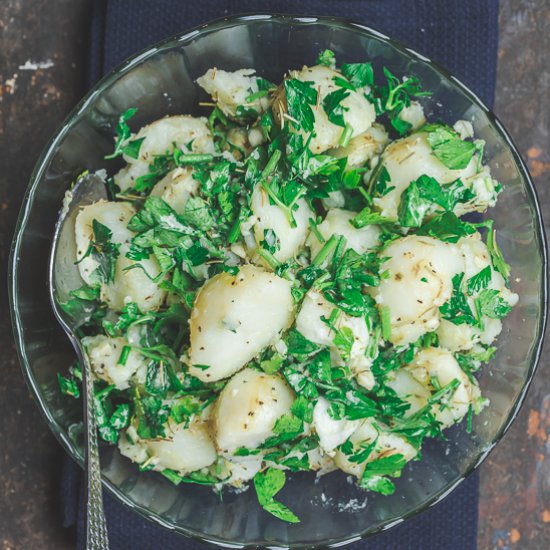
96 526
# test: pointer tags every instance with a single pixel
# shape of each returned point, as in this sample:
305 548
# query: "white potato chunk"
463 337
186 132
414 115
248 408
359 113
183 449
420 272
387 444
134 285
115 216
231 89
406 160
439 364
364 147
176 188
309 324
104 354
269 216
407 387
331 432
337 222
236 317
241 469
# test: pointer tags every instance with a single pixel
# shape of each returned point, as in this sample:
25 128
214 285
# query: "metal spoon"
64 276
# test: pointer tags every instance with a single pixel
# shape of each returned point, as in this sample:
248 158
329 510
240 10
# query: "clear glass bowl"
160 81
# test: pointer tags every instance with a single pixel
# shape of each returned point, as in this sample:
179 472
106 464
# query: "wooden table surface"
42 75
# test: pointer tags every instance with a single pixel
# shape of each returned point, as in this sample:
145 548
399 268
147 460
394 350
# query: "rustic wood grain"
52 34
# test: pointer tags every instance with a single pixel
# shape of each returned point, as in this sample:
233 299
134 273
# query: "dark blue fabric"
462 35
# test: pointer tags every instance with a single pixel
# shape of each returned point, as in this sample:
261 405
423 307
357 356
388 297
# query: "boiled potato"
115 216
236 317
440 364
176 188
387 444
414 115
231 89
134 285
406 160
337 222
331 432
104 354
248 408
463 337
186 132
270 217
364 147
183 449
309 323
420 272
359 114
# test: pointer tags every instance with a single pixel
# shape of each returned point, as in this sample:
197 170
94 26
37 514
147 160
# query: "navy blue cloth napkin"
462 35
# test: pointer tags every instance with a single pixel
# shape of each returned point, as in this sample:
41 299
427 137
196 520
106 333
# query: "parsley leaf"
122 145
359 74
267 485
447 227
425 193
457 310
299 97
332 105
368 217
326 58
447 146
479 281
491 304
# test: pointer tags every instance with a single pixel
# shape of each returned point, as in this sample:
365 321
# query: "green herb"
359 74
396 95
300 96
326 58
457 310
447 227
122 145
69 385
425 193
332 105
267 485
496 254
368 217
491 304
447 146
344 340
479 281
270 242
385 317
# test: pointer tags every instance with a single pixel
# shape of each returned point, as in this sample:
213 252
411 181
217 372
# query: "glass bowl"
161 81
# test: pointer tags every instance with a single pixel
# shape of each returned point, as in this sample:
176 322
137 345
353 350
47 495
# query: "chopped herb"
267 485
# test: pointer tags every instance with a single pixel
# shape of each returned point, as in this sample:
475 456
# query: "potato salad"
288 283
